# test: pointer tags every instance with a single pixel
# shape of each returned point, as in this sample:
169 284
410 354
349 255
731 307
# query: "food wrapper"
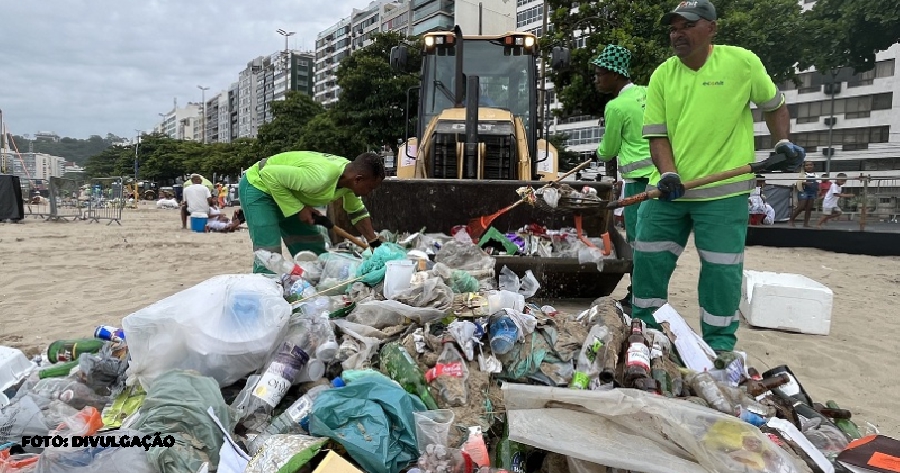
285 453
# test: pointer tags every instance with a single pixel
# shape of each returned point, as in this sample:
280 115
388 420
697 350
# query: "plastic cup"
398 276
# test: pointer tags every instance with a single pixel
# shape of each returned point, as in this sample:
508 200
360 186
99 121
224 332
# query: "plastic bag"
367 341
372 418
176 404
289 452
336 270
224 327
132 459
639 431
381 314
433 427
509 281
466 256
432 293
373 268
21 418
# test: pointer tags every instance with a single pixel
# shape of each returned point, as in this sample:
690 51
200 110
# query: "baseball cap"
691 10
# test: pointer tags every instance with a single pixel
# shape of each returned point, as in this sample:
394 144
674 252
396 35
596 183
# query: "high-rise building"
181 123
247 98
234 93
30 165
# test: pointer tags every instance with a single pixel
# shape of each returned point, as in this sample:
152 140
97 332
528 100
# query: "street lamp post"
203 113
137 144
287 59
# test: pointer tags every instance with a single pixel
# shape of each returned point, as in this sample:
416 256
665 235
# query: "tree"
373 96
73 149
634 25
843 33
291 116
567 159
770 28
323 134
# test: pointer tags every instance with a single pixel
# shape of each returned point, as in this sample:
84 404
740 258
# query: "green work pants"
631 212
268 226
720 230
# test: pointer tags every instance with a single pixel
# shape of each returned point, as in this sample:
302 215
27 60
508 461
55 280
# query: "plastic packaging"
705 387
450 376
224 327
336 270
439 459
463 331
588 368
475 447
398 277
433 427
294 419
508 280
503 334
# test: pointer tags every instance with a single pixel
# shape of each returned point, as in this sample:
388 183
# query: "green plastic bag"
372 418
373 268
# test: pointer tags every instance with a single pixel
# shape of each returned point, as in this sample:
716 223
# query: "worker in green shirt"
279 195
623 137
699 122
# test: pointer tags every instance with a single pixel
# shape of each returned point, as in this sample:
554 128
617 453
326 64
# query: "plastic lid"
315 369
338 382
199 215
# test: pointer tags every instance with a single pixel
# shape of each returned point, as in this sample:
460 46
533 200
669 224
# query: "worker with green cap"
699 122
623 138
279 195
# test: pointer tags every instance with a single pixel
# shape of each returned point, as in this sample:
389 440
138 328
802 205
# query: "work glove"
670 186
322 221
795 156
375 243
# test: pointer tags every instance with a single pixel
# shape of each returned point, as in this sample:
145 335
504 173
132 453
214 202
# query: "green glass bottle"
62 351
510 456
59 370
399 366
846 425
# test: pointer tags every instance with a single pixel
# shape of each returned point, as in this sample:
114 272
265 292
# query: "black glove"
323 221
375 243
670 186
795 156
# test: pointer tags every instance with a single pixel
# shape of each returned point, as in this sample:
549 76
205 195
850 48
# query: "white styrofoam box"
790 302
14 366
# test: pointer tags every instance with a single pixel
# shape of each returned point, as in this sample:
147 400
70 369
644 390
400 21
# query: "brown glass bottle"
637 354
758 387
832 412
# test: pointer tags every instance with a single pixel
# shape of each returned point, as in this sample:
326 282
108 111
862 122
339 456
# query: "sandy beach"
61 279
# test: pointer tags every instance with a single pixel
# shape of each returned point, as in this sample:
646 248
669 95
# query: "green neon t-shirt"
706 116
624 118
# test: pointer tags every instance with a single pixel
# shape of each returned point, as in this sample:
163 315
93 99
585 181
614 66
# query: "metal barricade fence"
66 199
36 197
106 200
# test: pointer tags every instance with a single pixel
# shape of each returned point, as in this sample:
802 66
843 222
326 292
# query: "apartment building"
181 123
853 120
247 98
33 165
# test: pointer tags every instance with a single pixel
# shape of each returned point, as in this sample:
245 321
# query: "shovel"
754 168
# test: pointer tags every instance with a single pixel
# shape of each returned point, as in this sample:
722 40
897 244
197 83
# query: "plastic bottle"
705 387
587 370
62 351
399 366
292 420
476 448
280 373
276 263
503 333
450 376
637 354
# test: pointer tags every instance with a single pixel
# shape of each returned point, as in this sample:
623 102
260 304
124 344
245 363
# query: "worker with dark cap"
623 117
699 122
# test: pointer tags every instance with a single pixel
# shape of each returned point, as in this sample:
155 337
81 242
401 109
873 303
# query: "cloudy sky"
91 67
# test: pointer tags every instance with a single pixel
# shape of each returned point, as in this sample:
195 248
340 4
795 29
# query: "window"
848 138
882 101
884 69
530 15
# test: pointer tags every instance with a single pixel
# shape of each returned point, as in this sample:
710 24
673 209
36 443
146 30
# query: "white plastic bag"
224 327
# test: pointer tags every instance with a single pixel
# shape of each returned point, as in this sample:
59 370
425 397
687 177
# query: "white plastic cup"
398 276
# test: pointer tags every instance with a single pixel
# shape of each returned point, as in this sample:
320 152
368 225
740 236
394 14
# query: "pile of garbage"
412 357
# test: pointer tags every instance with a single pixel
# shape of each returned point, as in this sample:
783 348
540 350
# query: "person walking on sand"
699 122
807 190
830 208
279 195
623 138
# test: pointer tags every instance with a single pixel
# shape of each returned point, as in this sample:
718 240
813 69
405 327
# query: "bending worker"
278 195
698 121
624 119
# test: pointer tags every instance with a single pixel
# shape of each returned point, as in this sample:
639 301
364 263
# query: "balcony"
439 22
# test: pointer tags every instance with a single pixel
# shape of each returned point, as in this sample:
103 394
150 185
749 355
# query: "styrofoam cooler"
783 301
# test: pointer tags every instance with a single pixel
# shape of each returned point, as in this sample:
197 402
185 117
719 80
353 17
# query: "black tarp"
11 205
